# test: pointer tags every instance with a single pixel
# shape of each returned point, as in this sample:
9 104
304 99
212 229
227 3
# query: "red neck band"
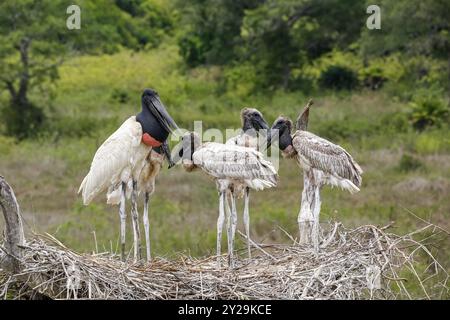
148 140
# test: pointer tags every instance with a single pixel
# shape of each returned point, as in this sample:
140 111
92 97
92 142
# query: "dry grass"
363 263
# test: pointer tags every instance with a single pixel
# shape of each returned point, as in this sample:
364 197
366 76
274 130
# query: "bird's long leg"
135 220
228 211
247 220
147 226
316 213
233 229
305 216
220 221
123 220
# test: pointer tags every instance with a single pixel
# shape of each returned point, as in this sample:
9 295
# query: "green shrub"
192 50
428 111
338 78
373 77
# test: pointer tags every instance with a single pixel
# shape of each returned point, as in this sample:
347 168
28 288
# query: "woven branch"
362 263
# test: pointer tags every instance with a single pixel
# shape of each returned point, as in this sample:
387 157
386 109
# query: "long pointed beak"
273 135
263 125
269 138
158 109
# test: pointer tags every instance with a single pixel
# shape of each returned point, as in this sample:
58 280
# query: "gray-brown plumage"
323 162
229 165
338 166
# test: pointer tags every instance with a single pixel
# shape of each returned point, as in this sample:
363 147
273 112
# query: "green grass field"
405 171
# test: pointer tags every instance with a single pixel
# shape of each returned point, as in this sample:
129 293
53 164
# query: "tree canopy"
257 44
34 40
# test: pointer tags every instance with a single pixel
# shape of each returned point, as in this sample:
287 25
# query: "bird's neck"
248 129
285 139
151 126
247 125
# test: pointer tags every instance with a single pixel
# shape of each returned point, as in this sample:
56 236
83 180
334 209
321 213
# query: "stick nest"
363 263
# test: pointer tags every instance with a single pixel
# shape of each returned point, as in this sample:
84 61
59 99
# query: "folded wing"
326 156
225 161
114 160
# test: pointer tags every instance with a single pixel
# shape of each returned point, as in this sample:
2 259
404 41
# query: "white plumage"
128 162
244 139
119 159
238 164
146 181
252 121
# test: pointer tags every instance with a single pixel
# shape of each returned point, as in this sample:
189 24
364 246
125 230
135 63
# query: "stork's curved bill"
158 109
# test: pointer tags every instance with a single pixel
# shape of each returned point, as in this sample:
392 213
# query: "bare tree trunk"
21 99
14 235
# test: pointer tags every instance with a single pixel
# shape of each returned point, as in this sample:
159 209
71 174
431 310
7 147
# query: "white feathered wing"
226 161
118 159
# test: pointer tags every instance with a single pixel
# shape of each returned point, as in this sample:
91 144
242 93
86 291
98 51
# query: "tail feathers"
349 186
260 184
269 172
83 191
113 196
344 184
82 185
356 172
358 178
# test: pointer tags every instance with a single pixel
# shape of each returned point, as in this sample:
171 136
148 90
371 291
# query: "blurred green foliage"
409 163
338 78
428 110
34 41
251 47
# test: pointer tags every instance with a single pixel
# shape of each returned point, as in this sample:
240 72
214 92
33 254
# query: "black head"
150 93
253 119
153 107
283 126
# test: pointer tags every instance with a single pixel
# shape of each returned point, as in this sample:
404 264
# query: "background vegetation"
382 94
